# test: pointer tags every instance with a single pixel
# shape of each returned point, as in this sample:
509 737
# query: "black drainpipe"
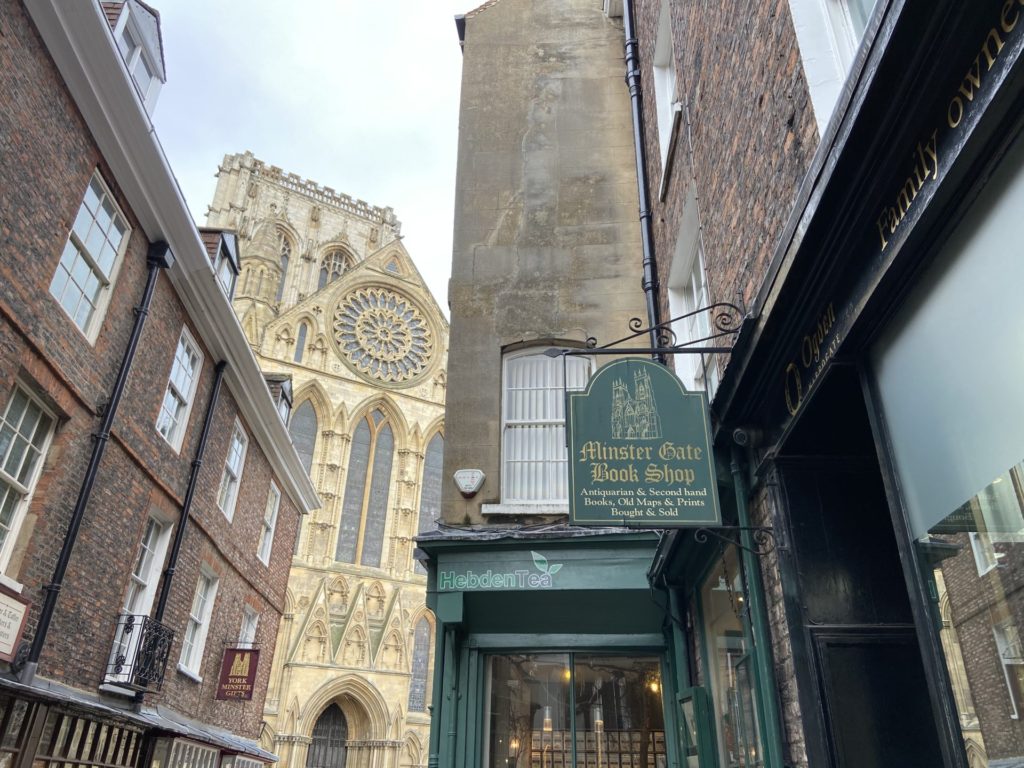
159 257
650 276
179 535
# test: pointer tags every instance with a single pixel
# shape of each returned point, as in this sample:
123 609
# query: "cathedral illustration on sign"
333 305
635 415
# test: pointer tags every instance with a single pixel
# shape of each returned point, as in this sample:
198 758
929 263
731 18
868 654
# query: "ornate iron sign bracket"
764 538
724 324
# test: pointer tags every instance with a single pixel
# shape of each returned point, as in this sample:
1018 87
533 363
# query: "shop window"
303 429
420 662
64 735
13 729
227 494
138 598
198 624
955 441
91 258
547 710
269 524
364 510
534 455
729 664
430 496
25 433
330 734
181 390
187 754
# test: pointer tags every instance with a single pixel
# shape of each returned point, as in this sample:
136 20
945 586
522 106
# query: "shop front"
884 381
551 650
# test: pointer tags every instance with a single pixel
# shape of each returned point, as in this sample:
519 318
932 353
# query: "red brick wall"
47 157
753 134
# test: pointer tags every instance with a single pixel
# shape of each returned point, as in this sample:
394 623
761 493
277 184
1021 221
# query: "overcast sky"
358 96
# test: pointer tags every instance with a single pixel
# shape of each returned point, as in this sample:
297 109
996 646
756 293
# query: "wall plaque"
640 450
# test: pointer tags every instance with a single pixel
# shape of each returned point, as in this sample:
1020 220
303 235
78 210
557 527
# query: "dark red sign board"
238 674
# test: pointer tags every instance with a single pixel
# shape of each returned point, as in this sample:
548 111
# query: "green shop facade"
871 419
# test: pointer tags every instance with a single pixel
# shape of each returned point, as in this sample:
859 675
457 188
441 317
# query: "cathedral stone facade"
329 296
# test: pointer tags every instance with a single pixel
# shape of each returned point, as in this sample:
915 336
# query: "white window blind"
534 455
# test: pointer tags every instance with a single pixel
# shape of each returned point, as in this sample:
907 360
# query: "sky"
358 96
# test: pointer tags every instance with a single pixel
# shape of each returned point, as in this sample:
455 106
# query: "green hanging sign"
640 450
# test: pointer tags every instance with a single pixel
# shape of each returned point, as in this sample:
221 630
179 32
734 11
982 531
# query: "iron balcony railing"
138 659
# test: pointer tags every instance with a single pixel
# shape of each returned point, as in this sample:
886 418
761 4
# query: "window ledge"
117 690
524 509
189 673
11 584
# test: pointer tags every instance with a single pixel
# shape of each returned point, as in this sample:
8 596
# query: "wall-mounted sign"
238 674
640 450
13 612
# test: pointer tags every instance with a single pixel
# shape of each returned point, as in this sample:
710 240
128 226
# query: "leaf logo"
541 563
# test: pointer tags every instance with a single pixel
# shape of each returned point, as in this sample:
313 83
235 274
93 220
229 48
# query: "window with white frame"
247 633
138 598
1011 657
688 292
534 455
91 258
664 71
828 34
225 269
139 57
198 623
269 523
181 389
25 432
227 494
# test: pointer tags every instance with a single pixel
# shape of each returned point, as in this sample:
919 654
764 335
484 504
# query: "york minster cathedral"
335 309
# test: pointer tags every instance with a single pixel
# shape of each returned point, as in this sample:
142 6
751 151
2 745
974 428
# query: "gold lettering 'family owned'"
926 154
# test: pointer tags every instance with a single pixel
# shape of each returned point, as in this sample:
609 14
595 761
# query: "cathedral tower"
329 295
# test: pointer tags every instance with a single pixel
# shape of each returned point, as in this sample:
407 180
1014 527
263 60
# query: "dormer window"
137 33
222 247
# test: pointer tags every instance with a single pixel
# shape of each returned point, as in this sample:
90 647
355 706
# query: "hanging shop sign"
238 674
13 613
640 450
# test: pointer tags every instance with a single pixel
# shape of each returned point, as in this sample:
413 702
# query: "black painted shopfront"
881 387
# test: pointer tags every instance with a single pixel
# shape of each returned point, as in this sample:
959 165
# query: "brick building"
829 191
150 493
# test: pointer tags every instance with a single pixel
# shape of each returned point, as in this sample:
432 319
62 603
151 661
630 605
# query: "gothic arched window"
303 431
330 733
430 497
420 659
300 342
332 267
365 508
284 249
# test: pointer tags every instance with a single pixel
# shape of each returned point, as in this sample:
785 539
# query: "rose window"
382 334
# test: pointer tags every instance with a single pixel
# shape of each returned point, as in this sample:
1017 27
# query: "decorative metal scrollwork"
763 538
142 647
714 336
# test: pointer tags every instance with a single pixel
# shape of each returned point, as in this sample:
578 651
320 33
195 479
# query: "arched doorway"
329 737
